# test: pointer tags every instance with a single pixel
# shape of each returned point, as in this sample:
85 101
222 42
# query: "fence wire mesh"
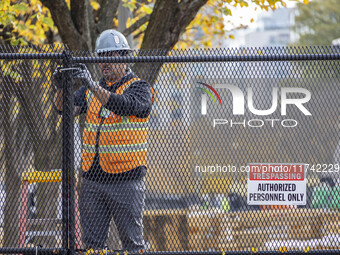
170 151
31 152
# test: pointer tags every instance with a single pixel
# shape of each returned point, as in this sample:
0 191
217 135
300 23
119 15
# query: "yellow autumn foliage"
30 20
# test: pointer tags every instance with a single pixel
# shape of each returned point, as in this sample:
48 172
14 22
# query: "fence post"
68 158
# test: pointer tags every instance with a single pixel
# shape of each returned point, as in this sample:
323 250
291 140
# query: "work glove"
84 75
57 79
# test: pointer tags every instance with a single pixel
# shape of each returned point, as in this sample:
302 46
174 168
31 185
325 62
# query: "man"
114 146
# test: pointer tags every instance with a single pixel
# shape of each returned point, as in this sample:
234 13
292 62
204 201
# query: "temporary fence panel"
217 150
31 152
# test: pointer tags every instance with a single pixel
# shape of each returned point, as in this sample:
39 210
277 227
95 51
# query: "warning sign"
276 184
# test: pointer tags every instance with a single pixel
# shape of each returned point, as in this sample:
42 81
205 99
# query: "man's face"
112 71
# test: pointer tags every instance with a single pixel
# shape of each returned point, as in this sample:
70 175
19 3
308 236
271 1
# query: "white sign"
276 184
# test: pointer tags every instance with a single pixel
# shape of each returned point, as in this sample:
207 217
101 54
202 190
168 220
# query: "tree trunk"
12 179
79 28
45 139
167 22
31 142
66 27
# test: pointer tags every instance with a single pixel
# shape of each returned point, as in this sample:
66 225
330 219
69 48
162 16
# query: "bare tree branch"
80 11
5 33
167 21
189 11
136 25
136 36
108 10
66 27
78 14
91 25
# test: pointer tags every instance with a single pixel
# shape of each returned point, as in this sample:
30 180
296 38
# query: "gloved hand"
84 75
57 79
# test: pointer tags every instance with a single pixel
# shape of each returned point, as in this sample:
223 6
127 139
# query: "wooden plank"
215 229
51 223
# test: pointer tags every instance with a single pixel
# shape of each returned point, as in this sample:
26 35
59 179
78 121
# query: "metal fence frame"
68 179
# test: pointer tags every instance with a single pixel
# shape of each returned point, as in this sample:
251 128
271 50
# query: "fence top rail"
207 58
184 58
15 56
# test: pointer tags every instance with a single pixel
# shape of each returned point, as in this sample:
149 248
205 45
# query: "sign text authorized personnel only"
276 184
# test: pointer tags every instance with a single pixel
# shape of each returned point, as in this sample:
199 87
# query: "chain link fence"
214 151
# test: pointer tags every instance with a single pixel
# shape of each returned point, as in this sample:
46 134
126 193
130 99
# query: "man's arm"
135 101
58 100
102 94
80 105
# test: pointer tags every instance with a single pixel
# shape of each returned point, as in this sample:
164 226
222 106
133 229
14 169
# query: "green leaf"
48 21
21 7
21 27
22 41
14 41
227 12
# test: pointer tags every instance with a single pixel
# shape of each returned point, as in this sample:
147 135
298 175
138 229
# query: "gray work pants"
123 201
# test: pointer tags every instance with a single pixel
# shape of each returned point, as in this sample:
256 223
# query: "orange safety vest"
122 139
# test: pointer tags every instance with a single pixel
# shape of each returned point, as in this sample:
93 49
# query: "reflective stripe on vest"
113 158
116 148
117 126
